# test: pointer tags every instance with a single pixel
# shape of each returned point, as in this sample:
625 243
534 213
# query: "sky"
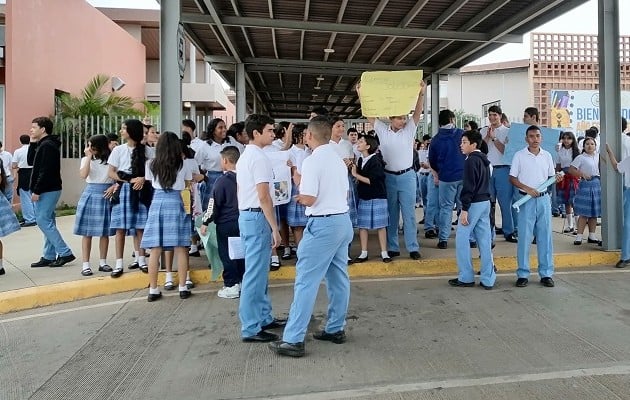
582 19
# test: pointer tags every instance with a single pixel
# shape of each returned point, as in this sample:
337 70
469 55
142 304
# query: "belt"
541 193
325 215
253 209
500 166
402 171
424 173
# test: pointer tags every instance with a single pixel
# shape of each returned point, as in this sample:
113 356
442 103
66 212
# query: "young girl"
94 210
208 156
130 195
588 198
8 220
372 210
296 215
567 152
623 167
168 225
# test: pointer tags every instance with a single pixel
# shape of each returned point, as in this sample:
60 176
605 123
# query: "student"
209 158
567 152
8 221
296 212
237 136
7 158
588 197
21 165
167 225
259 231
531 167
224 213
475 216
369 172
131 195
344 149
113 140
94 209
323 252
623 167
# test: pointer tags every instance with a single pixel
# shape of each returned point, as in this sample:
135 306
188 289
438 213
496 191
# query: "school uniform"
534 217
8 220
565 190
344 150
208 156
7 159
372 209
424 175
93 210
24 179
296 212
167 224
588 199
323 252
624 167
253 168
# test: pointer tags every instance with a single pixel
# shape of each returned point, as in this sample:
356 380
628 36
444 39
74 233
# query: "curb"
45 295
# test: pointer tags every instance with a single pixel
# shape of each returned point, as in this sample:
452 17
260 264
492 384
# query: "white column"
171 84
192 64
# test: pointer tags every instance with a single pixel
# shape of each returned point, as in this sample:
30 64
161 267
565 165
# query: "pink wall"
228 115
62 44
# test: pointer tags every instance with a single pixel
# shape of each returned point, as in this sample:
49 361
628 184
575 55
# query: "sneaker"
230 292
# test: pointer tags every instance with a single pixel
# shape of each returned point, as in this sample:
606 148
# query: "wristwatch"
494 139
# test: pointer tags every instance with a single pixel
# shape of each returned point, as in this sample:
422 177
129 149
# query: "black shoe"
555 214
43 262
276 323
274 266
154 297
547 282
589 240
414 255
511 238
387 260
498 231
393 254
144 268
287 349
62 260
622 263
430 234
337 337
194 254
458 283
421 222
2 271
28 224
87 272
442 244
105 268
260 337
134 265
116 272
473 245
521 282
534 241
486 287
184 294
359 260
577 242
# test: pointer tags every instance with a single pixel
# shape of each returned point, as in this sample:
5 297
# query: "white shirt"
196 143
19 157
565 156
191 165
120 158
343 148
423 157
625 146
7 159
297 156
278 143
623 167
184 174
98 171
396 146
252 168
325 176
494 155
235 143
587 164
209 156
356 152
530 169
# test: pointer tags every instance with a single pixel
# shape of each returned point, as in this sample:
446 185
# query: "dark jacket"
374 170
445 156
225 200
476 185
45 157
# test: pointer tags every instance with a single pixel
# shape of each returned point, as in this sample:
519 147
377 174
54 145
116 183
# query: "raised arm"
419 104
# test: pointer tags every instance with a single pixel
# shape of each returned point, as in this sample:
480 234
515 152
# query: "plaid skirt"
372 214
8 220
93 212
352 201
167 225
296 212
588 200
123 217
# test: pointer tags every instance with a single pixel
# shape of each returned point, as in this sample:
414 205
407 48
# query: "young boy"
224 213
623 167
372 208
475 215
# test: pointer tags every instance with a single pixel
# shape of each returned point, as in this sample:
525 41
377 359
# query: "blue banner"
516 141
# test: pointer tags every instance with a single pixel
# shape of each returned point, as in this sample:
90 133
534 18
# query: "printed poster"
389 93
280 188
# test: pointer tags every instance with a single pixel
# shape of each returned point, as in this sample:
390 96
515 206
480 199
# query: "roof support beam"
303 70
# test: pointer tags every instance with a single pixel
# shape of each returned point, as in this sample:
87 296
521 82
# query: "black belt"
540 193
402 171
253 209
424 173
326 215
500 166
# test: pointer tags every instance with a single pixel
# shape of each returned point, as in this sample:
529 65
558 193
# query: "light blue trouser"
449 195
503 192
479 225
27 206
322 254
534 218
401 197
254 308
432 208
423 181
54 245
625 233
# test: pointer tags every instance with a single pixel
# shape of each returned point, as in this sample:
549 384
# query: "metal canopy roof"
282 42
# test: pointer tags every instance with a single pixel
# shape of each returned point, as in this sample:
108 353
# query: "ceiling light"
320 78
329 50
317 88
314 95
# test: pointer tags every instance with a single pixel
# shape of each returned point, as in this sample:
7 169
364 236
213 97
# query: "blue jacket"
445 155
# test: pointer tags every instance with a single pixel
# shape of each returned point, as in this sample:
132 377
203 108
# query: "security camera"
117 84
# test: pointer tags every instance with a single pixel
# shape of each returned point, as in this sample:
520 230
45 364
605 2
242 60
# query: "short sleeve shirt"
587 164
252 168
19 157
324 176
565 156
624 167
343 148
494 155
184 174
120 158
532 169
396 146
99 172
208 156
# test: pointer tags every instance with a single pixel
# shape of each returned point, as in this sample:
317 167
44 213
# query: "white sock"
169 277
154 290
142 260
187 275
86 265
193 248
364 254
570 221
578 238
135 255
183 288
1 263
102 262
119 263
275 259
592 236
287 251
384 254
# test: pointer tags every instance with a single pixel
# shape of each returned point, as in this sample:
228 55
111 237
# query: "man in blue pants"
323 251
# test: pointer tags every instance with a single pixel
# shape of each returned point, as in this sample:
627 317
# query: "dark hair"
257 122
426 137
474 137
504 117
189 123
351 130
495 109
321 128
532 128
135 130
3 178
212 125
473 125
596 129
575 150
25 139
100 147
0 143
168 159
445 117
372 142
44 122
320 111
112 137
584 143
235 129
231 154
532 112
624 124
280 130
591 132
186 149
298 132
484 147
334 119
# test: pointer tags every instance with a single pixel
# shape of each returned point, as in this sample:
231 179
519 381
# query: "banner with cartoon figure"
578 110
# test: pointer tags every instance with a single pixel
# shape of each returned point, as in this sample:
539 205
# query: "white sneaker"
233 292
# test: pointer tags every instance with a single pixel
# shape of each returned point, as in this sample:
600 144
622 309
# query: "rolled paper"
541 188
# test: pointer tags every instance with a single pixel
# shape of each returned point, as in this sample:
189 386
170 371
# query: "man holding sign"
397 140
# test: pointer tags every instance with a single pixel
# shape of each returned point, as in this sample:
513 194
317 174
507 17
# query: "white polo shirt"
565 156
531 169
120 157
587 164
184 174
19 157
325 176
297 156
252 168
396 146
99 172
196 143
494 155
209 156
343 148
624 167
7 160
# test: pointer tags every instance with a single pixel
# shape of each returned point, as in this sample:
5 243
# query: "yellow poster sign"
389 93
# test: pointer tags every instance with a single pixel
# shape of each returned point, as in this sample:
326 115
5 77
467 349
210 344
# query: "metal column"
241 95
171 84
425 117
610 120
192 63
435 103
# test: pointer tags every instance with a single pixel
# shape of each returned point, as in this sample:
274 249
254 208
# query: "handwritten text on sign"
389 93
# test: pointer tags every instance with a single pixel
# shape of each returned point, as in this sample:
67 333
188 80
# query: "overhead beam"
413 33
303 70
317 103
319 92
